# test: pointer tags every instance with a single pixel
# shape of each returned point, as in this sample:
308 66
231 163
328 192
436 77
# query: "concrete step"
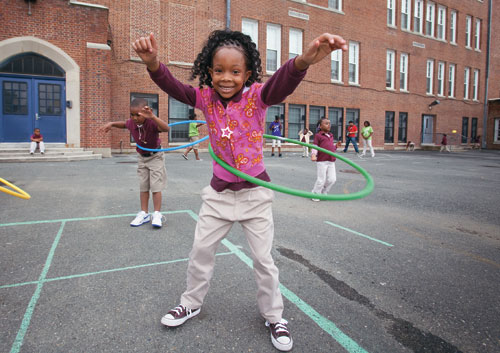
47 150
47 153
15 145
48 158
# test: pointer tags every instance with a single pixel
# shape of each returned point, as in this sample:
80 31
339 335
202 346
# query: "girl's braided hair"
227 38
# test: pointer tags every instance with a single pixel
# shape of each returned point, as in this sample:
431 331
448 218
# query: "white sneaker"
280 335
141 218
157 217
315 200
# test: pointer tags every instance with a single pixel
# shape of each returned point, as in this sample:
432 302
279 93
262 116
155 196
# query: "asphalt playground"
413 267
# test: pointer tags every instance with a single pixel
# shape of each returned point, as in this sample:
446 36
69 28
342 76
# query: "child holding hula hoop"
234 103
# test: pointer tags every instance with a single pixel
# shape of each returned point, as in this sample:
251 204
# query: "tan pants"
252 208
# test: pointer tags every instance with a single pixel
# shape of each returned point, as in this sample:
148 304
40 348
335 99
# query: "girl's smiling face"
229 71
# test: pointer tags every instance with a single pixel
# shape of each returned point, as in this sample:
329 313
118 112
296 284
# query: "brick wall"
181 27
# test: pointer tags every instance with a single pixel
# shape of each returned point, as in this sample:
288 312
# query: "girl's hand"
147 49
313 157
318 49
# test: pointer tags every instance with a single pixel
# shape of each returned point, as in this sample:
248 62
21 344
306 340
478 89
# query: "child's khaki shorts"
152 173
194 139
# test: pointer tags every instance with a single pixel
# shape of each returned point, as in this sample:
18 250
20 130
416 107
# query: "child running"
145 128
325 163
234 103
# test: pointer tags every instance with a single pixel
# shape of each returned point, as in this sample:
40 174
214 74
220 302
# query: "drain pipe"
228 14
485 108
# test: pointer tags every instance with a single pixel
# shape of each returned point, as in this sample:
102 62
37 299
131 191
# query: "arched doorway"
32 95
11 47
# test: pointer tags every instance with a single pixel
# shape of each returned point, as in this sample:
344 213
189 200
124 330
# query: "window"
31 64
352 115
391 13
440 79
465 129
49 99
336 117
335 4
441 23
468 24
403 72
473 130
15 98
336 65
453 27
475 85
272 111
405 14
417 21
353 62
251 28
273 52
296 120
178 111
477 35
315 113
389 127
295 43
430 74
429 19
466 82
403 127
389 70
451 81
496 137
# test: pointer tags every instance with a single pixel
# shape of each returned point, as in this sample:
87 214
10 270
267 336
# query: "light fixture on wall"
436 102
29 5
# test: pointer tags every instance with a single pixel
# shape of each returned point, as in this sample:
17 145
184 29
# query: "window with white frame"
335 4
497 130
453 27
391 13
440 79
451 80
403 72
466 82
389 69
475 85
405 14
273 52
429 19
336 65
429 75
251 27
295 43
468 25
477 35
354 62
417 20
441 23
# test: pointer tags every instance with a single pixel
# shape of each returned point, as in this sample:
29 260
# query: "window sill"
340 83
404 91
390 89
354 84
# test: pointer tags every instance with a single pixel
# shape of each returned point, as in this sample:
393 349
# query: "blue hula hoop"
177 147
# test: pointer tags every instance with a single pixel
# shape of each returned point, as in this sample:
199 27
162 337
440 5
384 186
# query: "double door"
29 103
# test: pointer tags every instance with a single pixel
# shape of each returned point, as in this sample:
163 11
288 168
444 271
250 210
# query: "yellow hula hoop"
20 193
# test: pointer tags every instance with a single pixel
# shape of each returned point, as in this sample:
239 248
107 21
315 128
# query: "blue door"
29 103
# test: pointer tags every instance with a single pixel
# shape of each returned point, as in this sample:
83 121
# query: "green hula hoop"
326 197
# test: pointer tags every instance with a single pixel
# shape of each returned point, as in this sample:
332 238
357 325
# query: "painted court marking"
358 233
326 325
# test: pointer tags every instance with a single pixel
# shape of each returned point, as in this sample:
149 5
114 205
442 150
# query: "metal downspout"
485 108
228 14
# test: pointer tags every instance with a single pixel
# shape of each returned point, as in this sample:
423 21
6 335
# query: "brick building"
415 68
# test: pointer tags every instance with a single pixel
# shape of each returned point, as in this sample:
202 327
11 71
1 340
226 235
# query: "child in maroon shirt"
37 139
325 163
